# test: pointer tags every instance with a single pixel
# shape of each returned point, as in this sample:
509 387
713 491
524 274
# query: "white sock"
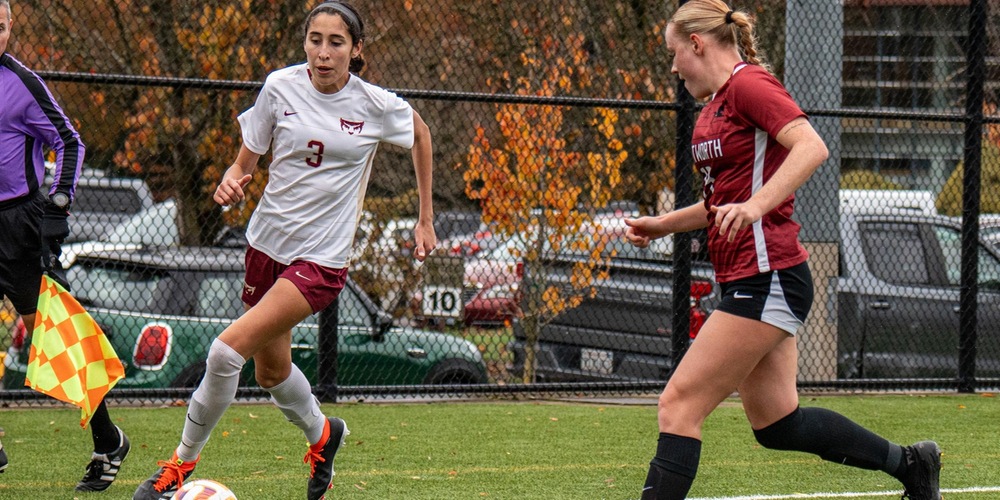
294 397
215 393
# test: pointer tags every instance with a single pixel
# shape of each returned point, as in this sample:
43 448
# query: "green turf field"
502 450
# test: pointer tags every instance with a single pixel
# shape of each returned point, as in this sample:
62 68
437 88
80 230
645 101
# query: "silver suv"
102 203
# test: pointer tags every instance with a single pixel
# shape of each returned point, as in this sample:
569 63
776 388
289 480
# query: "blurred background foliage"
180 139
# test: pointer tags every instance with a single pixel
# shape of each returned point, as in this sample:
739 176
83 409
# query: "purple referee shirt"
30 118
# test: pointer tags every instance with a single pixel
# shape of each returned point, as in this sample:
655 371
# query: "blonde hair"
716 18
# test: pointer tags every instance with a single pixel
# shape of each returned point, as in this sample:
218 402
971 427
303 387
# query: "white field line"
971 489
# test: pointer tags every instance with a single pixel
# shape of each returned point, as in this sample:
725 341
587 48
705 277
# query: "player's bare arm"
806 152
423 165
643 230
230 189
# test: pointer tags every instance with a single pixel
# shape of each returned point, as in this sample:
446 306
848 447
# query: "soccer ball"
204 489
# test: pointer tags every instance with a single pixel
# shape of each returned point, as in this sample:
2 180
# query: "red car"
491 293
487 295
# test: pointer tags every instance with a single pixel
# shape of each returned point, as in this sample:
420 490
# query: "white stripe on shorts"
776 310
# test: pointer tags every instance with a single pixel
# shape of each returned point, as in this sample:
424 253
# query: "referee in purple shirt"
33 222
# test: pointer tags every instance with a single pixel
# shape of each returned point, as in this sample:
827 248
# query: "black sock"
903 466
104 432
835 438
672 470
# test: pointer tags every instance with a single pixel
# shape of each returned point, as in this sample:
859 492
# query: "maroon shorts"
319 285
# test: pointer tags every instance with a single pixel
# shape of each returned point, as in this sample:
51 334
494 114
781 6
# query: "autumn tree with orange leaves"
541 178
184 140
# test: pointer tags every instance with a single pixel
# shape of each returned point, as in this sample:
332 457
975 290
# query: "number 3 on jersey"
316 159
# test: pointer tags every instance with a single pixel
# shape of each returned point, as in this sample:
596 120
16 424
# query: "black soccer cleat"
923 471
320 457
103 467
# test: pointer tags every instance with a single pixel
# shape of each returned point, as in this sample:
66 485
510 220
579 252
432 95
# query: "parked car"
491 293
624 331
874 201
896 303
897 297
162 307
989 229
482 239
491 287
475 244
452 223
619 209
101 203
154 226
382 259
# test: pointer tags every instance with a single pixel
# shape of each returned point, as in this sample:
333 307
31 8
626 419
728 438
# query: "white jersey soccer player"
323 149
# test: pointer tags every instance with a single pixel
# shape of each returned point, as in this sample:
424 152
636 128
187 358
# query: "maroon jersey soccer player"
735 150
754 147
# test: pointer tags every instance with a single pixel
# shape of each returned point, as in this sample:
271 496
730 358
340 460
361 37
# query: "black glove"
55 226
56 273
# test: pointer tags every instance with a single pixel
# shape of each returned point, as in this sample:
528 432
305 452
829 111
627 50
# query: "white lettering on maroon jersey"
707 150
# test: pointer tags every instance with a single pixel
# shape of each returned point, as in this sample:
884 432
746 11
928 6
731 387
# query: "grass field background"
499 450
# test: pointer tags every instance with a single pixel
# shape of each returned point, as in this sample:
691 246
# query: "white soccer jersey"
323 150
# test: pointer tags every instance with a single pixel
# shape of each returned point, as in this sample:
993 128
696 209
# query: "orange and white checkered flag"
71 359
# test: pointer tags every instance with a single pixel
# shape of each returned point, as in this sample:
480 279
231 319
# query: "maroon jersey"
734 149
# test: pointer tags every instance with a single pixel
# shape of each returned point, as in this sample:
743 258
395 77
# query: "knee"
672 395
223 360
677 413
667 401
270 376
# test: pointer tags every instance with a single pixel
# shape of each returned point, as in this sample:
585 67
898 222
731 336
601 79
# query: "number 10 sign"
442 301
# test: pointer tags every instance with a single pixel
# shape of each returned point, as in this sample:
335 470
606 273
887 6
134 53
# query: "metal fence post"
681 307
815 50
971 184
326 375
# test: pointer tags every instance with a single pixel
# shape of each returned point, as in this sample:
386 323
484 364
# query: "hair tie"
729 17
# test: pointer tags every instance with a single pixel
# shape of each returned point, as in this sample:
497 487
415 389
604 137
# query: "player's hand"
733 218
642 231
425 240
230 191
55 226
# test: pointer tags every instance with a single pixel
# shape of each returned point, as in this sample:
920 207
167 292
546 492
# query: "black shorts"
21 253
779 298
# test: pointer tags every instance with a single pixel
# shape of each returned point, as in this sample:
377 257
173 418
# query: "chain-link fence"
552 121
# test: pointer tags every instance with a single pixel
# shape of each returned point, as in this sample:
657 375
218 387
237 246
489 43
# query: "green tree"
949 201
867 179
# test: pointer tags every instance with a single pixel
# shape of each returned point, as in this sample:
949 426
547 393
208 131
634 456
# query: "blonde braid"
748 40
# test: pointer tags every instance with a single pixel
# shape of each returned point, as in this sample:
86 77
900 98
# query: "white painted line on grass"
971 489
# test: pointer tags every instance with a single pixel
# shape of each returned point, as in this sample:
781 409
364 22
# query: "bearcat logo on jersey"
351 127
